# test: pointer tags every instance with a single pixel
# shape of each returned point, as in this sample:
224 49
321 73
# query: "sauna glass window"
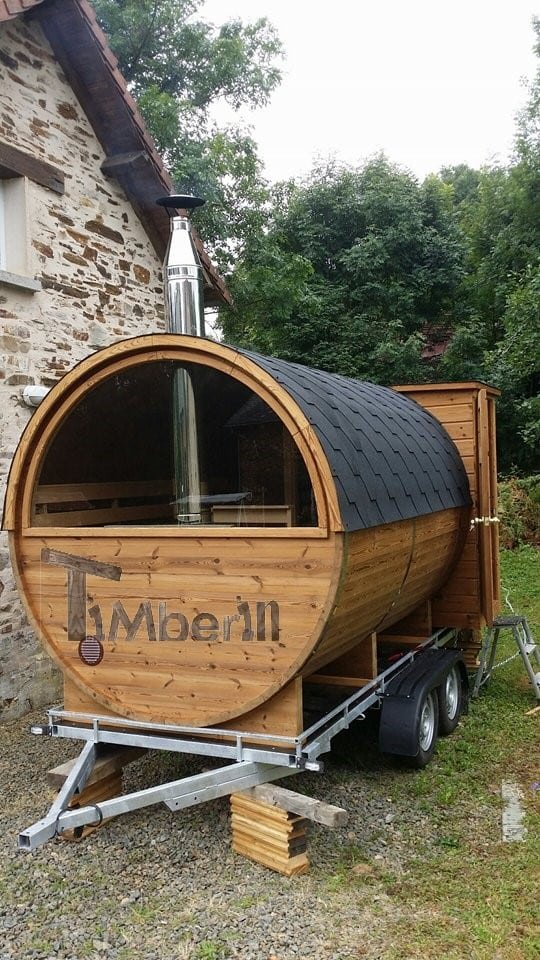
169 443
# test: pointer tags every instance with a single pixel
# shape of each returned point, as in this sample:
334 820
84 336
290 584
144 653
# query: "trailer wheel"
450 701
428 723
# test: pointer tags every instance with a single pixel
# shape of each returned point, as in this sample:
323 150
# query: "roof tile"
14 8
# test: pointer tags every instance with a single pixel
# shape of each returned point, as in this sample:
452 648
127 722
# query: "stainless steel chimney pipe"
183 280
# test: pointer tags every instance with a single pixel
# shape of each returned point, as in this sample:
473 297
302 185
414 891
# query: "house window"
14 261
17 169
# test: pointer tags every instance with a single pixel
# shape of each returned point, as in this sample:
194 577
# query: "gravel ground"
156 885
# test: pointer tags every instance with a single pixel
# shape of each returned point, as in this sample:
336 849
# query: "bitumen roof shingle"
391 460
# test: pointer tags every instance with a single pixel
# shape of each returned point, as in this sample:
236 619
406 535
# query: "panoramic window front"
176 444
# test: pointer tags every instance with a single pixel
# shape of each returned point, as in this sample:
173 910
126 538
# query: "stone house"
81 245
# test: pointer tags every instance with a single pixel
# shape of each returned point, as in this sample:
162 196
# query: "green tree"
498 337
356 265
177 67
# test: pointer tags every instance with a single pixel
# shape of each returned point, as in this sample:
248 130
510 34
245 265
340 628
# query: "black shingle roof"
390 459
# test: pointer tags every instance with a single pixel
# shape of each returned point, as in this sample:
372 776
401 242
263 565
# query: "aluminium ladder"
527 650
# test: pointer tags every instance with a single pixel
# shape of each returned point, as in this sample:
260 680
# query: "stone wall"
100 282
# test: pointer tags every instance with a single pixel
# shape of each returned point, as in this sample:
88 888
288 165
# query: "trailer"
202 536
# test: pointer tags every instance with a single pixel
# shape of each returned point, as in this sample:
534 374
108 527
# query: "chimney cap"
180 201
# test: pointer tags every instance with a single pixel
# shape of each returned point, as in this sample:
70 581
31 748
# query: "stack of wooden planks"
273 837
104 783
104 789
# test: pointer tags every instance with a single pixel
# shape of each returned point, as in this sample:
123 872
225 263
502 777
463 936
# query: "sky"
428 83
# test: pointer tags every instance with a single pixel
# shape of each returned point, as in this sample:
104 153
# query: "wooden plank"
466 446
103 789
290 867
330 679
466 386
417 623
171 531
253 514
261 810
244 831
94 568
112 760
265 837
467 589
15 162
73 492
459 431
452 413
308 807
402 639
109 515
263 827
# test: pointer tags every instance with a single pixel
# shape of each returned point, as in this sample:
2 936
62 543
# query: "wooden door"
470 598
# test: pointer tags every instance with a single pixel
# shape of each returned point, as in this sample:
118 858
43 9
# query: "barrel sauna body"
328 509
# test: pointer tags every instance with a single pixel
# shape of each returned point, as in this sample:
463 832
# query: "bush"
519 511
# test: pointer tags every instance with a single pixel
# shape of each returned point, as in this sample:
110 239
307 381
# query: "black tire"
426 733
450 695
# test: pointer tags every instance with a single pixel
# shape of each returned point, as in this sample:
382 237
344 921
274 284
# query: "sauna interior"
111 460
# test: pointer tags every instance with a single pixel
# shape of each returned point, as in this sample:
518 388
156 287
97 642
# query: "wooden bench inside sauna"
332 516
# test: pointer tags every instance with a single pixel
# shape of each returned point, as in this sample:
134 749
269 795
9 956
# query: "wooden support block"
113 760
269 835
104 783
289 868
281 714
360 661
104 789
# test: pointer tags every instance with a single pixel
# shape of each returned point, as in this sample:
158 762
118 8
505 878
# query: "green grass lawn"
453 890
469 895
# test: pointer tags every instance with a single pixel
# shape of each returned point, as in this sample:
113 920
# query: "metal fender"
403 698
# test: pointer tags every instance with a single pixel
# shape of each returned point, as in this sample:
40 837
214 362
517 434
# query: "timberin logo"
159 623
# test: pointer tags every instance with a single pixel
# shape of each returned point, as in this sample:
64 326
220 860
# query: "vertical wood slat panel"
476 431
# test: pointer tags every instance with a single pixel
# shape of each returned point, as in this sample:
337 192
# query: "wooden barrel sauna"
330 509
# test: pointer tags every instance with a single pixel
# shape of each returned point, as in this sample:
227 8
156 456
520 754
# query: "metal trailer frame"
255 758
